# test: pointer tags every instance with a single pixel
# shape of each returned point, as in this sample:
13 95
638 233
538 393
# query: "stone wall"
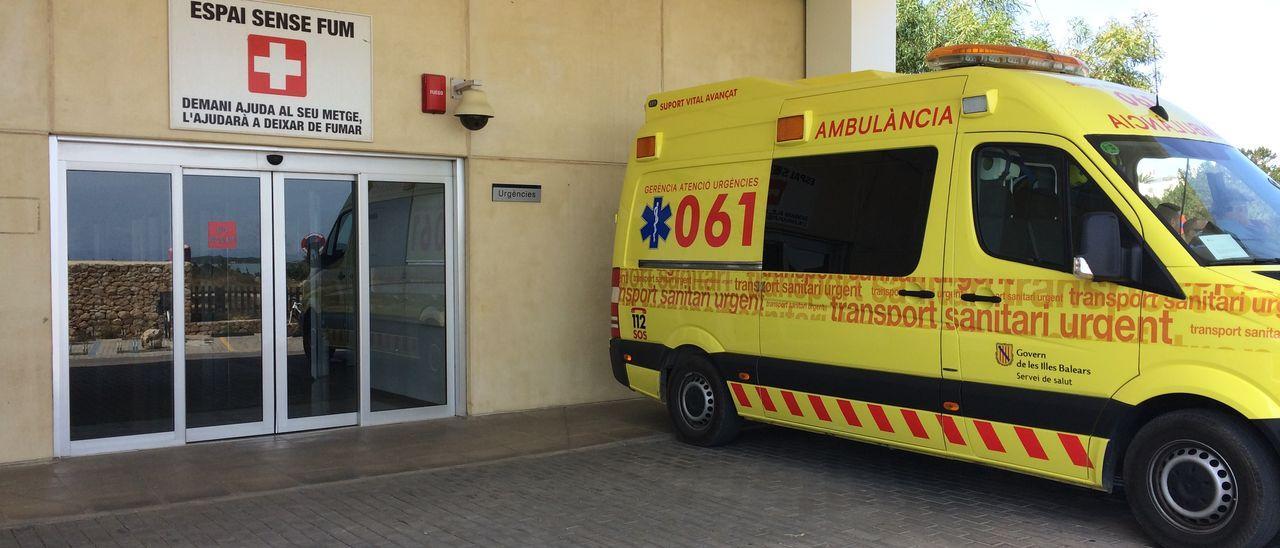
117 299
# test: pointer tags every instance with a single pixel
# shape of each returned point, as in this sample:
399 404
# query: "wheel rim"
697 401
1193 486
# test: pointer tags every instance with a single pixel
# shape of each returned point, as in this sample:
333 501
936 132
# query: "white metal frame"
267 424
174 157
367 415
458 256
63 445
283 422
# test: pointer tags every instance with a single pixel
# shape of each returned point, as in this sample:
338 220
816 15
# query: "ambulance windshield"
1221 205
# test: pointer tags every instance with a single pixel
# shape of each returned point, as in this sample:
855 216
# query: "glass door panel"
317 363
228 287
120 303
408 303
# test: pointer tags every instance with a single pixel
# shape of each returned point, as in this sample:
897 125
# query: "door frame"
280 336
177 157
267 424
452 314
60 312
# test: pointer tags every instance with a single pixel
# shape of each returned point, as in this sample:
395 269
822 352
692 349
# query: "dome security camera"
474 122
473 109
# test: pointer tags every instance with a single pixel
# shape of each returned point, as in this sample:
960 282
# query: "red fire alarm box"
433 93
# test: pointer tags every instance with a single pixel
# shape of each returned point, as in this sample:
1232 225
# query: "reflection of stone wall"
226 328
117 299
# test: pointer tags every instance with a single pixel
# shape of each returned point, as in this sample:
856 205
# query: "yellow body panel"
645 381
1221 342
698 285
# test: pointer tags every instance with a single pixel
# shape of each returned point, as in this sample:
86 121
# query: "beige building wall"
26 400
110 72
26 403
849 35
567 79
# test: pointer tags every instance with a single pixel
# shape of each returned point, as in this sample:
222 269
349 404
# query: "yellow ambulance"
1001 261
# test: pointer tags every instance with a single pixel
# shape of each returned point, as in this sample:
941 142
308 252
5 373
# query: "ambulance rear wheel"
699 403
1203 478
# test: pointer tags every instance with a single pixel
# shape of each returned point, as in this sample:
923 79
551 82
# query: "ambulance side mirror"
1101 256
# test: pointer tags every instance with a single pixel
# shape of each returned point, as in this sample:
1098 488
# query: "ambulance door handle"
917 293
976 298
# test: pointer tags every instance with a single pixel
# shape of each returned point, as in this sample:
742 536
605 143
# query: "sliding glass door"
229 285
229 300
408 297
120 288
317 342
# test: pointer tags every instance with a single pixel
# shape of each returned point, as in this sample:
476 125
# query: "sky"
1221 59
117 216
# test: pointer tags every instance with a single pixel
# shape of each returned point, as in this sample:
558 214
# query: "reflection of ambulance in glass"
407 305
1028 269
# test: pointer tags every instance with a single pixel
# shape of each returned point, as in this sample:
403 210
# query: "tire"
1201 477
701 408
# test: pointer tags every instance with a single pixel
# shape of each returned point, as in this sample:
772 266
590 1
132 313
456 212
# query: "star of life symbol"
277 65
655 219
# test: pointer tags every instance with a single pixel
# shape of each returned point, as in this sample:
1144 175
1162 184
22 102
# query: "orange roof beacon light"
968 55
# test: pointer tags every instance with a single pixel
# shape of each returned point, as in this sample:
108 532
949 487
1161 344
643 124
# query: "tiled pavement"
85 485
771 487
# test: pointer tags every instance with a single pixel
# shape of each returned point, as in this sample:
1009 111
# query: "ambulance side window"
341 235
1028 204
388 231
853 213
1019 205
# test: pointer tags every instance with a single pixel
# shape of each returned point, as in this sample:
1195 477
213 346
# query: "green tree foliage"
1122 52
927 24
1265 158
1186 200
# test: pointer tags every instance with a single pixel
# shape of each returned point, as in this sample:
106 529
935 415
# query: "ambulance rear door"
695 239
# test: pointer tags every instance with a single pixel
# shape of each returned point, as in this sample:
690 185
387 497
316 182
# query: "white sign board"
257 67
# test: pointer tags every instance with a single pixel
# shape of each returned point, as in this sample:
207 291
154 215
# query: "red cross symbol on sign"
277 65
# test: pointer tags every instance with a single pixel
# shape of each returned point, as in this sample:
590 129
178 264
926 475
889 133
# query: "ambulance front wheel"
1203 478
699 403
